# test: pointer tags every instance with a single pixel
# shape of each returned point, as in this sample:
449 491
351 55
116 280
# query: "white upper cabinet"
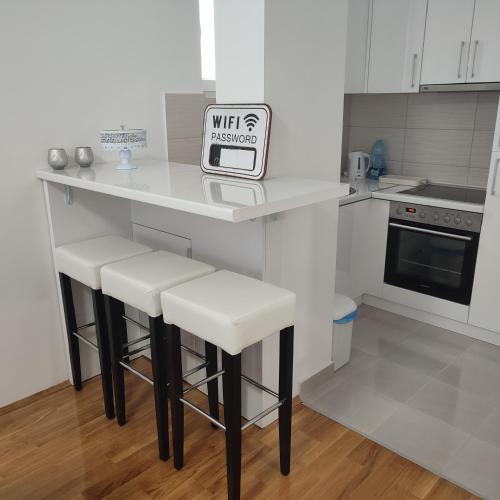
484 52
447 41
396 43
357 46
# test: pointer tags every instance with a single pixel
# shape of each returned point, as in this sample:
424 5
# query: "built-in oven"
432 250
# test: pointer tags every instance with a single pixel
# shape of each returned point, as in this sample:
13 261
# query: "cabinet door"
357 46
484 65
396 43
484 311
447 41
496 139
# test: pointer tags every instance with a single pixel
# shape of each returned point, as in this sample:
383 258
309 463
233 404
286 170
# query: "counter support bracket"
68 195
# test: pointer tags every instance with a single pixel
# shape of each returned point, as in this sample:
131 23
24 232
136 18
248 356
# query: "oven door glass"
431 260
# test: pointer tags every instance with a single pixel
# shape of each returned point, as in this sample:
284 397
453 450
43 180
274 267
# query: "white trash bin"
344 313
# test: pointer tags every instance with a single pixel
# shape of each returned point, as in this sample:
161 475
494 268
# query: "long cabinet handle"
462 45
473 74
413 70
430 231
494 180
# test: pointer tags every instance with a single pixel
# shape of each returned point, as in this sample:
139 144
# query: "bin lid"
342 306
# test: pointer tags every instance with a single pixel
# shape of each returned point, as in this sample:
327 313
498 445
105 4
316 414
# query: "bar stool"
232 312
82 261
138 282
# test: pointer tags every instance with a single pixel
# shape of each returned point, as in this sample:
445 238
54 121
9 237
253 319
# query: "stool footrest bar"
137 341
87 325
197 409
136 372
137 351
86 341
260 386
195 369
203 381
193 352
262 414
136 323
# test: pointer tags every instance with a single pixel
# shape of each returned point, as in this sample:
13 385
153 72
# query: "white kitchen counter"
367 188
188 189
364 190
394 194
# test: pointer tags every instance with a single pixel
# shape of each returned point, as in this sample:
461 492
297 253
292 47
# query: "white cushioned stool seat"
83 260
229 310
138 281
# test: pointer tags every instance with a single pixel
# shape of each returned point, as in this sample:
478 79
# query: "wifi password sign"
251 120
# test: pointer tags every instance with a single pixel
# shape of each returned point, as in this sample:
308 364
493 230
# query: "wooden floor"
60 446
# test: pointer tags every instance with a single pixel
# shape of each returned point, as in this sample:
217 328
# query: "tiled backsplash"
184 126
446 137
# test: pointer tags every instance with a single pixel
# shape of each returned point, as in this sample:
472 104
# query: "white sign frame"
236 140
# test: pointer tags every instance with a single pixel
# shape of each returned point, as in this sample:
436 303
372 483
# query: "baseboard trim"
433 319
22 403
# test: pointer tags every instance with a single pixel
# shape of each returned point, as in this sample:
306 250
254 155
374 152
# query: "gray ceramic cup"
57 158
84 156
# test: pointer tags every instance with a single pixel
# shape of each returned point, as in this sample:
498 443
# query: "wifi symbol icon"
251 120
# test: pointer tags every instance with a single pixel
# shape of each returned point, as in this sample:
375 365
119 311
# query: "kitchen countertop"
367 188
188 189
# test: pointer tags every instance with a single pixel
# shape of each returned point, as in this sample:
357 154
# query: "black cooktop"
453 193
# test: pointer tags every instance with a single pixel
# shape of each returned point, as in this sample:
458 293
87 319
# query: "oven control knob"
422 215
446 218
436 216
469 222
458 219
399 211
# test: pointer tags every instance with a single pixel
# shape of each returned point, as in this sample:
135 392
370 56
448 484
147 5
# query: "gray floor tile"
400 323
423 439
457 408
485 351
421 391
389 378
416 356
476 467
489 430
356 406
474 374
375 337
443 340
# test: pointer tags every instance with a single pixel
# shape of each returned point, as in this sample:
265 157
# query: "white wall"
70 68
239 49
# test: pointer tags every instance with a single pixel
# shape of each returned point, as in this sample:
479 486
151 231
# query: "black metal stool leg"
232 416
176 392
69 314
101 330
157 331
285 394
213 385
116 324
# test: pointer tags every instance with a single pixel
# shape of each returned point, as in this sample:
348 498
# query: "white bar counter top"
188 189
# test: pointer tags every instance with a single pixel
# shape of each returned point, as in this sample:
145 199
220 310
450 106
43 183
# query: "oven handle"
430 231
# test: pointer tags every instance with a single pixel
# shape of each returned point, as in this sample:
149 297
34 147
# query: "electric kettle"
358 164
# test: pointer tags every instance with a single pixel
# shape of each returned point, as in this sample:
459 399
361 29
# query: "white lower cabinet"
361 243
485 303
